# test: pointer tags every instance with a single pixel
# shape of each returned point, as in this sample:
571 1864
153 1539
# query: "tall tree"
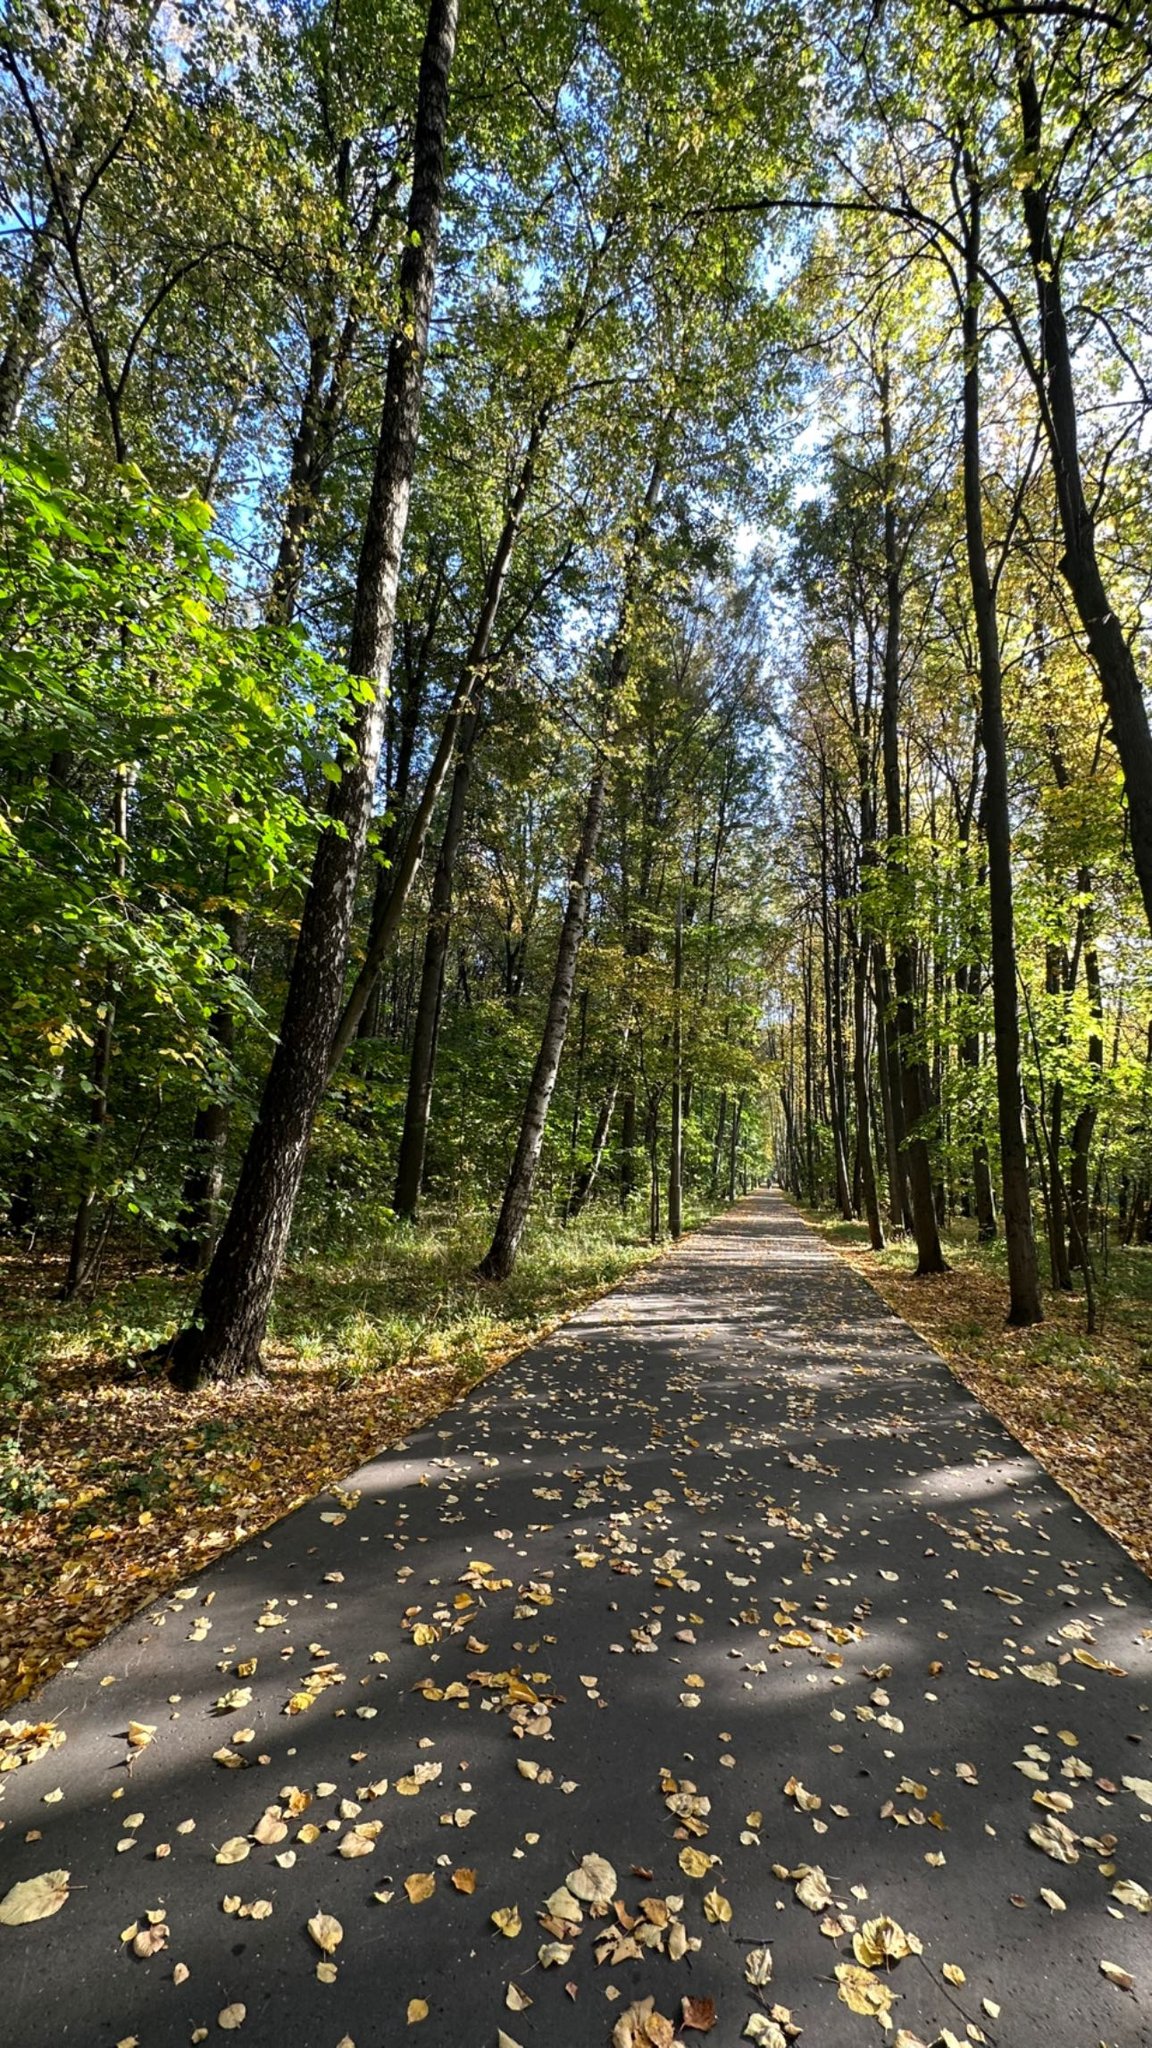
232 1313
1023 1271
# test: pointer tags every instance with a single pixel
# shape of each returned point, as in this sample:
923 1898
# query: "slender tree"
1023 1272
226 1336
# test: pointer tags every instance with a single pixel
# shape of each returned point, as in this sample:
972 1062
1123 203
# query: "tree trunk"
426 1030
316 426
237 1293
860 1087
839 1152
1058 1208
809 1079
628 1147
891 1104
718 1144
392 891
1023 1271
27 323
652 1139
1108 644
500 1257
1085 1124
915 1090
78 1257
734 1146
585 1180
676 1142
390 904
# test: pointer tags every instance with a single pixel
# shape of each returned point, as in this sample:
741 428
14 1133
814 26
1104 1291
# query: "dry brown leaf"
507 1920
150 1940
417 2010
326 1932
594 1882
884 1941
808 1802
234 1850
764 2032
464 1881
697 2015
1044 1673
1123 1979
1056 1840
812 1889
863 1993
641 2026
420 1886
1098 1664
36 1898
233 2016
560 1905
360 1840
553 1955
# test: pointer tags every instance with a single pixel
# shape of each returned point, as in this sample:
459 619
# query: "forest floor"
414 1765
1082 1404
113 1489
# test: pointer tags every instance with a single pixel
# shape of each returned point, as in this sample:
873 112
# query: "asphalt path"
723 1632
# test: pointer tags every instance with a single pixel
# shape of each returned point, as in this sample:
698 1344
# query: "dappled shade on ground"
119 1489
725 1599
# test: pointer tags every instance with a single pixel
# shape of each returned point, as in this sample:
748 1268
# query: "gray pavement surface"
727 1577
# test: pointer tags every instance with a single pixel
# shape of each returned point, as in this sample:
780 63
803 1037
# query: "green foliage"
25 1485
158 763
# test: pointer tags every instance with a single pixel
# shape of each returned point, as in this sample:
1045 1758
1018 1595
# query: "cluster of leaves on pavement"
1080 1402
117 1493
954 1679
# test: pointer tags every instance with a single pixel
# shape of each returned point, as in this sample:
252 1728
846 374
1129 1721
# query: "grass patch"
1081 1404
113 1489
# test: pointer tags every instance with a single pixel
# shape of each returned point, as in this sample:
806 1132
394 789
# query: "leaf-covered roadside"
113 1489
1081 1404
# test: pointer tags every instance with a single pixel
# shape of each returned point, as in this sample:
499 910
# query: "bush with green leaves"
162 761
